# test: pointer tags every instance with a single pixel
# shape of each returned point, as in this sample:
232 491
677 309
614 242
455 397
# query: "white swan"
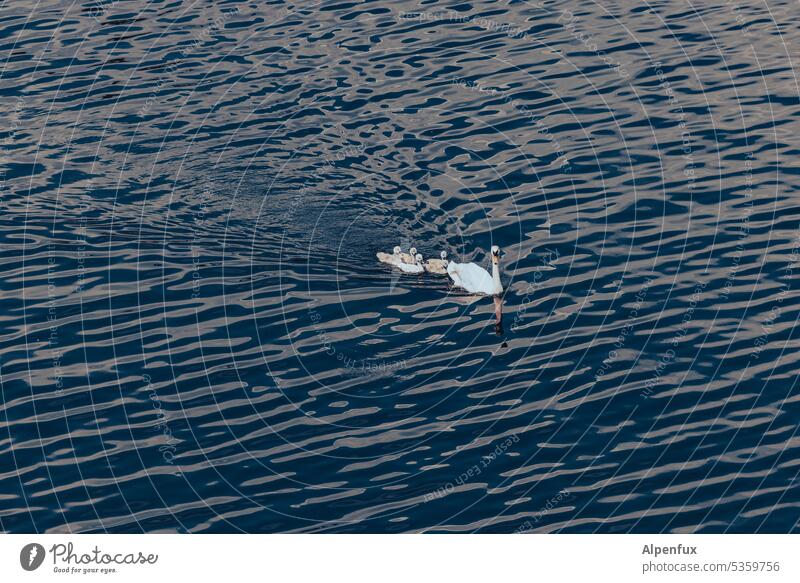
437 265
391 259
415 267
410 256
476 279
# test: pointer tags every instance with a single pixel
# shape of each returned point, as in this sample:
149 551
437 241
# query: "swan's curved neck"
496 278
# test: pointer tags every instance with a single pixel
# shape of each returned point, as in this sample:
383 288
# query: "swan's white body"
390 258
475 279
413 268
437 265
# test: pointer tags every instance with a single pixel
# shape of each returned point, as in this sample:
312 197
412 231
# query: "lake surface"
195 335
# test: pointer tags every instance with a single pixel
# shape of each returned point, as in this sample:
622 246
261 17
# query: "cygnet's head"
396 249
495 254
418 257
443 255
413 251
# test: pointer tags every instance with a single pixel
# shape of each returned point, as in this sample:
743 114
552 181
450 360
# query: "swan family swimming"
468 276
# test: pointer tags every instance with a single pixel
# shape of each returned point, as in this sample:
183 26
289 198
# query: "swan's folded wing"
436 266
452 271
475 278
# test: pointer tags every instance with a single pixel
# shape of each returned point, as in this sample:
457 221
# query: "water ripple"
195 336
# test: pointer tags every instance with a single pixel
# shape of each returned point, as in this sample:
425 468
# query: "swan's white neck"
498 288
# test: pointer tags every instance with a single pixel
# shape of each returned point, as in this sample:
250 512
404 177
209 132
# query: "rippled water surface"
195 334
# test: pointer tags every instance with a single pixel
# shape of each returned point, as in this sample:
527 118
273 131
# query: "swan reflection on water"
498 315
468 300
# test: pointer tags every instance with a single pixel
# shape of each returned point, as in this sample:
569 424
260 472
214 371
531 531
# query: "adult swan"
475 279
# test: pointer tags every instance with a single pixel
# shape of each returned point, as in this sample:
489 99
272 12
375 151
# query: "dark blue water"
195 334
